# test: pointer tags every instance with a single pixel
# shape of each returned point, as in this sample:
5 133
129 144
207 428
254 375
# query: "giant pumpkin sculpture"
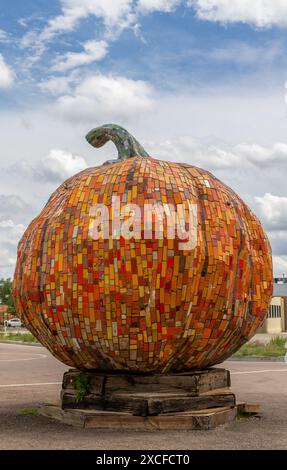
142 304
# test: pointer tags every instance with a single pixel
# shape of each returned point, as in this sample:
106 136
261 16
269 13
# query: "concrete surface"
30 376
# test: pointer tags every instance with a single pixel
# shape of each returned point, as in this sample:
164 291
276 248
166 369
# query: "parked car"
14 322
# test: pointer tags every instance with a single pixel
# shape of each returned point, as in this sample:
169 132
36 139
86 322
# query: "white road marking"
258 371
30 385
40 356
19 345
254 362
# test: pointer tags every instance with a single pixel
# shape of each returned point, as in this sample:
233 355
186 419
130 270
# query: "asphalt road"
30 376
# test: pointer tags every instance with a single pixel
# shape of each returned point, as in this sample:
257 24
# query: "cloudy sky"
197 81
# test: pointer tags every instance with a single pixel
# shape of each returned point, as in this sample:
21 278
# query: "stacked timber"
145 394
199 400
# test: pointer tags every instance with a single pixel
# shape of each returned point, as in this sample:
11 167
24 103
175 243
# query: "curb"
257 359
22 343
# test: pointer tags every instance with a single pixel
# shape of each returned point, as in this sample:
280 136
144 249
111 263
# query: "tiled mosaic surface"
143 305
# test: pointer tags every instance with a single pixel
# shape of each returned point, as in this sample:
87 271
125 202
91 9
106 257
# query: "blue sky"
201 81
167 49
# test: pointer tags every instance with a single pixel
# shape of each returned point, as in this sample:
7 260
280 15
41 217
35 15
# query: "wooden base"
147 395
119 401
118 421
198 400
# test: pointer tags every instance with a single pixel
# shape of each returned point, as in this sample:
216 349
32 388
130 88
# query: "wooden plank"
179 404
148 404
213 380
178 422
147 384
248 408
217 391
119 422
147 395
124 421
95 381
55 412
69 400
219 419
192 382
193 420
133 405
203 411
252 408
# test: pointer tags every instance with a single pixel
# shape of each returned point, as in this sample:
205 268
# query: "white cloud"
263 156
7 75
112 12
278 241
273 210
56 166
244 54
58 85
10 232
222 156
280 265
147 6
258 13
7 261
100 97
185 149
23 168
59 165
93 51
3 35
13 204
115 14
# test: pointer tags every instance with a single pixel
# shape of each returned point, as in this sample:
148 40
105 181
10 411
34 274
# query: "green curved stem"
127 145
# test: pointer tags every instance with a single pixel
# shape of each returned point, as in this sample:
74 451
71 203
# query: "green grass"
23 338
28 412
275 348
81 384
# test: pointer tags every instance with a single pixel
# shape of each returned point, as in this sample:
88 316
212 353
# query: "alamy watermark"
150 221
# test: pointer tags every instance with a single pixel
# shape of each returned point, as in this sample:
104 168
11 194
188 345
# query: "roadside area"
271 346
31 376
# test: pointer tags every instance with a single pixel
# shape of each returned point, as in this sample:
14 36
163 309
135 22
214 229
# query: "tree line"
6 297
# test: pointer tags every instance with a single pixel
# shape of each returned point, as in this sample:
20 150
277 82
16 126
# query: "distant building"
3 314
280 280
276 321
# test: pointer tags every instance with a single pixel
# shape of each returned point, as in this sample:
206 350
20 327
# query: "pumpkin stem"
127 145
